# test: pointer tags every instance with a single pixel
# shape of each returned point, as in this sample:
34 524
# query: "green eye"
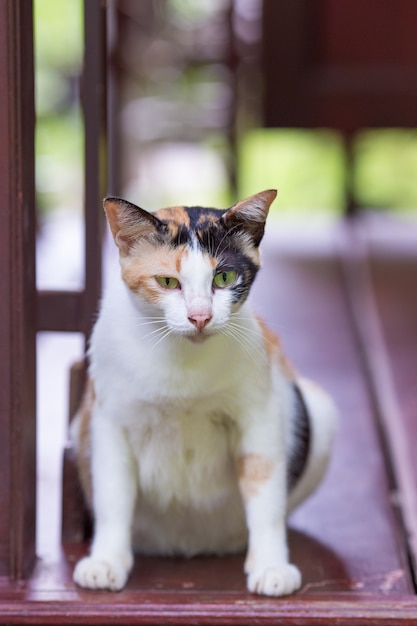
167 282
224 279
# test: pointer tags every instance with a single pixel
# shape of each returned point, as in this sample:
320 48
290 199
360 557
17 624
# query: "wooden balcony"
344 302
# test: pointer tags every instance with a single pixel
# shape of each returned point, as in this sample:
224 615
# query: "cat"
195 435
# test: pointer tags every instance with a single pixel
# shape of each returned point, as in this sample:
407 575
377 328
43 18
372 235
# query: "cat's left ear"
250 214
128 222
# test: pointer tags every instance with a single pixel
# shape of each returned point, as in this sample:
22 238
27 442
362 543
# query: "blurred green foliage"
385 169
58 28
309 169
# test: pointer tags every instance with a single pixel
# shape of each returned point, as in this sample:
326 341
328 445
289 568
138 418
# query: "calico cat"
195 435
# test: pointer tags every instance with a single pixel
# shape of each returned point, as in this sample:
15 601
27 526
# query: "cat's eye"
168 282
224 279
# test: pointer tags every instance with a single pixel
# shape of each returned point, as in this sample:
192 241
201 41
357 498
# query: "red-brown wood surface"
394 280
365 268
348 65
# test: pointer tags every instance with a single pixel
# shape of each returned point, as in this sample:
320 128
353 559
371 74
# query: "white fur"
175 410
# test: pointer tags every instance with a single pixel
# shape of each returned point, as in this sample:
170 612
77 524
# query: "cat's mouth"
199 337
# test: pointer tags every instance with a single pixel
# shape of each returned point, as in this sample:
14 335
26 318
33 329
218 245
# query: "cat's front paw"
280 580
93 573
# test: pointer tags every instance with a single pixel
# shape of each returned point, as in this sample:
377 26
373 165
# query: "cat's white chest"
187 483
183 452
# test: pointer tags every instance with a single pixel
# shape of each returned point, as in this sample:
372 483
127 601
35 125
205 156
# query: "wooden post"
94 101
17 292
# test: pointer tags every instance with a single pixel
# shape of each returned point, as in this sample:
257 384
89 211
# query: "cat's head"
190 267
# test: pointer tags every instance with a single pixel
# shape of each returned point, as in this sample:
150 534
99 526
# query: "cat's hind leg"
322 415
261 475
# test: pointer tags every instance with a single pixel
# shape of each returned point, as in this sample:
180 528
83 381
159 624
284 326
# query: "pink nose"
200 320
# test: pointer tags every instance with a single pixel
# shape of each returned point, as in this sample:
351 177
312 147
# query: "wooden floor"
346 310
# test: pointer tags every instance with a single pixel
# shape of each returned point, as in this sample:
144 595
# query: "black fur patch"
226 245
299 454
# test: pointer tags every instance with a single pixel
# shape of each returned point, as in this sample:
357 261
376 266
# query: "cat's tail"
322 415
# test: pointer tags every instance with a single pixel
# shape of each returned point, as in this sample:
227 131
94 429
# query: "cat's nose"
200 320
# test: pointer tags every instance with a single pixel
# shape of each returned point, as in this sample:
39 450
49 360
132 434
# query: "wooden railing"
23 311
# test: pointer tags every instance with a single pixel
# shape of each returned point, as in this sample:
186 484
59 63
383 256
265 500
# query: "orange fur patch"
253 470
175 217
147 261
207 218
176 214
275 352
84 438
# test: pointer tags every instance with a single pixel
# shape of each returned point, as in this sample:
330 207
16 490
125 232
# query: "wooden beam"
61 311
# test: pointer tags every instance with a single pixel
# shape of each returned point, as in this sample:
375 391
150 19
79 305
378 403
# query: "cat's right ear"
128 222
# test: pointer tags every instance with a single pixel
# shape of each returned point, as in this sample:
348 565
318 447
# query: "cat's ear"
250 214
128 222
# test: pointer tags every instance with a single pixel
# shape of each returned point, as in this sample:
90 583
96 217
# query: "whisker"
157 331
151 322
266 321
255 332
254 336
250 336
229 333
247 343
165 333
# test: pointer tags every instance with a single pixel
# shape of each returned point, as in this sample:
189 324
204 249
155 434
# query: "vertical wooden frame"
17 291
94 104
94 100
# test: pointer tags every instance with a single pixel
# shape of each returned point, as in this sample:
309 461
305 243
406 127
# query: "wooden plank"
150 608
17 291
394 277
395 282
203 608
394 437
